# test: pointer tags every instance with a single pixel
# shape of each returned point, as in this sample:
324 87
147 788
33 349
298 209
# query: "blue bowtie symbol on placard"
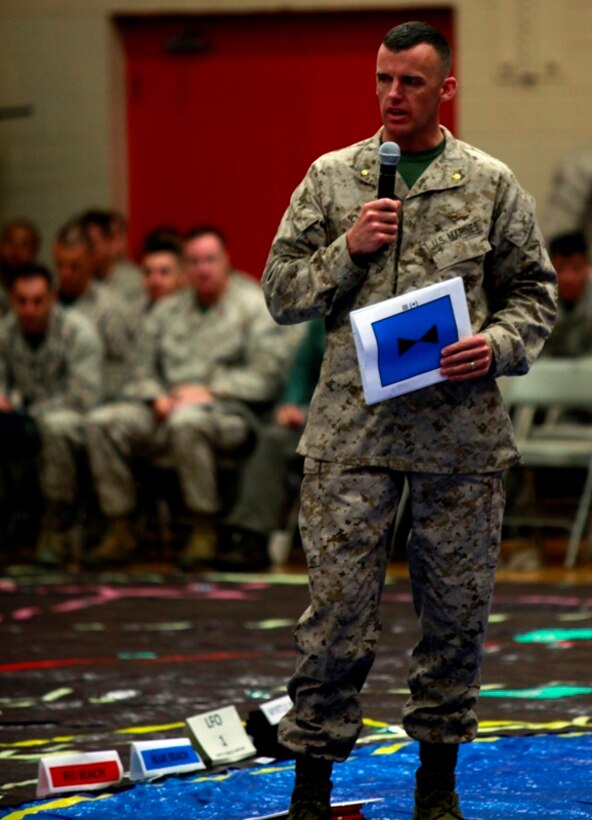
409 343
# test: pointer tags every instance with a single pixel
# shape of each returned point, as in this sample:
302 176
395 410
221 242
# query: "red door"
226 113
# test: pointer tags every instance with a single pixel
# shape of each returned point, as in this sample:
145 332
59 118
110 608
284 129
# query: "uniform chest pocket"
461 250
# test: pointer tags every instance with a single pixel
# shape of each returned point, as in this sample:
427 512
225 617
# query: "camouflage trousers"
118 434
62 447
345 520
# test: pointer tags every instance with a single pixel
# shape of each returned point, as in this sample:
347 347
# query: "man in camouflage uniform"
122 277
338 248
163 273
19 245
207 360
569 205
74 265
572 334
50 374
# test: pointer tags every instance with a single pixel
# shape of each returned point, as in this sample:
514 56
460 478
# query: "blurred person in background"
263 497
208 362
19 245
51 373
572 334
75 260
107 230
569 204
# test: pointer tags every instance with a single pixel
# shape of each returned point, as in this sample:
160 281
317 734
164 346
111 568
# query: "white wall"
524 67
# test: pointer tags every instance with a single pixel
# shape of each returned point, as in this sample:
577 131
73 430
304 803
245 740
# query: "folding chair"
551 389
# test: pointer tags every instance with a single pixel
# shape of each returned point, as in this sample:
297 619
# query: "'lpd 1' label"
220 736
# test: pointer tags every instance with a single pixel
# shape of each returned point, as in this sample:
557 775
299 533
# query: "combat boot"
311 798
435 797
200 548
437 804
117 545
53 543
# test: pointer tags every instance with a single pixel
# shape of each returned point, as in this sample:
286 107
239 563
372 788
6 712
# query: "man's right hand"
377 225
290 415
5 405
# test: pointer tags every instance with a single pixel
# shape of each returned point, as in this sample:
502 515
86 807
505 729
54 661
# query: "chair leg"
577 530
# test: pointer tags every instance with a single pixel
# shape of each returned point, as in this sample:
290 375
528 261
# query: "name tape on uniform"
220 736
85 771
155 758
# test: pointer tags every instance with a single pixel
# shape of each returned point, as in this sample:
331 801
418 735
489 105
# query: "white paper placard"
220 736
86 771
155 758
399 340
274 710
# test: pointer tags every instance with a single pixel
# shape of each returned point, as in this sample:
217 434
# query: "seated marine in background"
163 273
263 499
572 334
51 363
73 252
112 267
209 361
19 245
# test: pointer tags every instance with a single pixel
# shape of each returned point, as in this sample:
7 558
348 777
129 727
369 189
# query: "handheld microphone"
389 154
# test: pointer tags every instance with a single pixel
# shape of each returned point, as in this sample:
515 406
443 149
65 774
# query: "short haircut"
74 232
411 34
205 230
21 222
118 221
568 244
164 245
163 233
33 270
100 218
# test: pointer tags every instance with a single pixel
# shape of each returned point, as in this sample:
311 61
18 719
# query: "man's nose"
395 91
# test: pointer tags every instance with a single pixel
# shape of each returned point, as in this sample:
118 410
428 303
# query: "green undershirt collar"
413 163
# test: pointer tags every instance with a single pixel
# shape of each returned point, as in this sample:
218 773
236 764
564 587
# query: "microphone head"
389 153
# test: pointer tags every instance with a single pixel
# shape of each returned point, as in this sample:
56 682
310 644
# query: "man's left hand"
469 358
192 394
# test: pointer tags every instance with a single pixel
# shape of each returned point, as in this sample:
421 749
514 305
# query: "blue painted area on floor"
539 776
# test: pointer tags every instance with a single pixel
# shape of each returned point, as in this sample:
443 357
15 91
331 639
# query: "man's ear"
449 87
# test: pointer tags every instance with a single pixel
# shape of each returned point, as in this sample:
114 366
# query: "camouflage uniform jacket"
63 373
569 206
99 305
572 334
234 347
109 316
466 216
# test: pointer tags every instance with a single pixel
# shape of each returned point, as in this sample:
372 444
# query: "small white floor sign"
220 736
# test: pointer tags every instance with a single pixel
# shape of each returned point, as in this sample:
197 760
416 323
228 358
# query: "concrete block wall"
524 68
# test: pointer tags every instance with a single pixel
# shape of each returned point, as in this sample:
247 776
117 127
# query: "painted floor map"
91 664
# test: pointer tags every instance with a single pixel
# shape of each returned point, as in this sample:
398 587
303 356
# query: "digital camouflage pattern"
346 542
569 205
572 334
466 216
120 433
235 349
65 372
110 319
56 383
